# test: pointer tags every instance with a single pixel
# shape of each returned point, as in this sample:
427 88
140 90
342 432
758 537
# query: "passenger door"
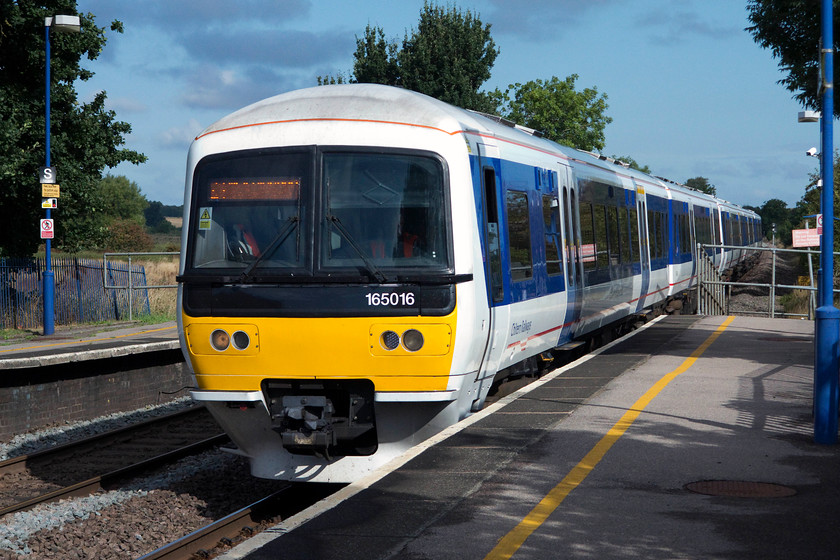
571 244
496 329
641 211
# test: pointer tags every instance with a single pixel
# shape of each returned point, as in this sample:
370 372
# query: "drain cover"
740 489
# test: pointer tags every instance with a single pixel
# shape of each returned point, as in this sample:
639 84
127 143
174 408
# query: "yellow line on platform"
84 341
511 542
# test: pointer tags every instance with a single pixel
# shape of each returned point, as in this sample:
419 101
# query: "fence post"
130 293
773 285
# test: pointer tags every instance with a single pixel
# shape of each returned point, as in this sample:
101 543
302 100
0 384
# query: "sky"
689 91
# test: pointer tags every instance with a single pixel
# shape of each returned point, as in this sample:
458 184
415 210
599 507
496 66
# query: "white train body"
331 338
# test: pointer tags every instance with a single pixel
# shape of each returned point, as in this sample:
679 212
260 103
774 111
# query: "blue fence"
80 294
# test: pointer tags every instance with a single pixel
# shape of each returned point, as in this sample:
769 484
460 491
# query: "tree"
776 212
86 138
156 221
122 199
701 184
633 164
375 59
448 56
554 108
791 30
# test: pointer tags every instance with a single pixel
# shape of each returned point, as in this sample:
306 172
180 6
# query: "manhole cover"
740 489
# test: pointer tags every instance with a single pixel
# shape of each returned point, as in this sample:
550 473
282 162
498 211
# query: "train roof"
380 103
361 102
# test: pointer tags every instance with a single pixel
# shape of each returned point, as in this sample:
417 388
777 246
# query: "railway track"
83 467
240 525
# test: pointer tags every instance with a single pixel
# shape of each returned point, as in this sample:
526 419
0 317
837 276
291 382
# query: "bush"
127 236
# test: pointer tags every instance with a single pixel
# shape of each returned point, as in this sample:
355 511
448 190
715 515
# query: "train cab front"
316 282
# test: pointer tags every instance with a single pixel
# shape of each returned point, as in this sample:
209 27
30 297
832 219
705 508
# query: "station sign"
51 203
50 191
47 228
47 175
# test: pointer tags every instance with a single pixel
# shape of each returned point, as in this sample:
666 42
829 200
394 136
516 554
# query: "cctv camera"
812 152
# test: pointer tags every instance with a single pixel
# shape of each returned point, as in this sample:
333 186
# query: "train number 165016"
392 299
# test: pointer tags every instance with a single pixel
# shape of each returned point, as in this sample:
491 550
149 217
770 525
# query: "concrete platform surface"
86 342
604 459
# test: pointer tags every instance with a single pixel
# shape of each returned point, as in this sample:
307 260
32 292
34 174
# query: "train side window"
575 247
551 222
653 240
494 255
624 234
587 237
602 250
519 236
613 233
659 234
634 235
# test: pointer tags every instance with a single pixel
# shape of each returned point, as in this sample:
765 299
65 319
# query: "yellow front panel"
337 348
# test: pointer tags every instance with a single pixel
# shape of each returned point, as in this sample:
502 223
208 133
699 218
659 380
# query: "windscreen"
379 215
250 209
383 210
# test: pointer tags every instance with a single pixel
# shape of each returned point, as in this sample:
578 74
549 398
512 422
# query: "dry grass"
160 271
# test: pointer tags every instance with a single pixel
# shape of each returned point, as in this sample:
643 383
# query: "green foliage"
122 199
331 80
127 236
85 138
633 164
776 212
554 108
701 184
448 56
156 220
791 30
376 59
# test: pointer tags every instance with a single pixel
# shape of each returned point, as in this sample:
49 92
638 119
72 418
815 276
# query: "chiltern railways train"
361 263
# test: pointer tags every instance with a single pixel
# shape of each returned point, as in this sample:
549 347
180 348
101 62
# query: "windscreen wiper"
372 268
275 243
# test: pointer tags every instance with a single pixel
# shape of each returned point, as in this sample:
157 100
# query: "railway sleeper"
323 418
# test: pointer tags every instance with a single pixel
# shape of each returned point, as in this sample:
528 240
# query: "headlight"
412 339
241 340
220 340
390 340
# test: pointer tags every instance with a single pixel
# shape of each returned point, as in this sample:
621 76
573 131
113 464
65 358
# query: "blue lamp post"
70 24
828 316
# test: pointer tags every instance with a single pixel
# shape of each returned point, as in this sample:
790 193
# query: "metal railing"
714 293
130 286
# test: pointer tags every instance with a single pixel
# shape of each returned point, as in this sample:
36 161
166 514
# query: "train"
361 264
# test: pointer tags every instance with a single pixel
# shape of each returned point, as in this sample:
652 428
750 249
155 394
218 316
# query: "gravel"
137 518
24 444
754 300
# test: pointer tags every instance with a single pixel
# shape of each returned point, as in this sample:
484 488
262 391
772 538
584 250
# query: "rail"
714 293
130 286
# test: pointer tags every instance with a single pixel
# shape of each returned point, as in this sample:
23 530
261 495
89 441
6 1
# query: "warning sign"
205 217
50 191
806 238
47 228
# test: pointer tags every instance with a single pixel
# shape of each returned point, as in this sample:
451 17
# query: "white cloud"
180 136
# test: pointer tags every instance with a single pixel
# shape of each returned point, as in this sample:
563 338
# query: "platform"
598 460
87 342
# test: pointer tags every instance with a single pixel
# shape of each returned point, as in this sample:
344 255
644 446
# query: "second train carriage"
361 263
